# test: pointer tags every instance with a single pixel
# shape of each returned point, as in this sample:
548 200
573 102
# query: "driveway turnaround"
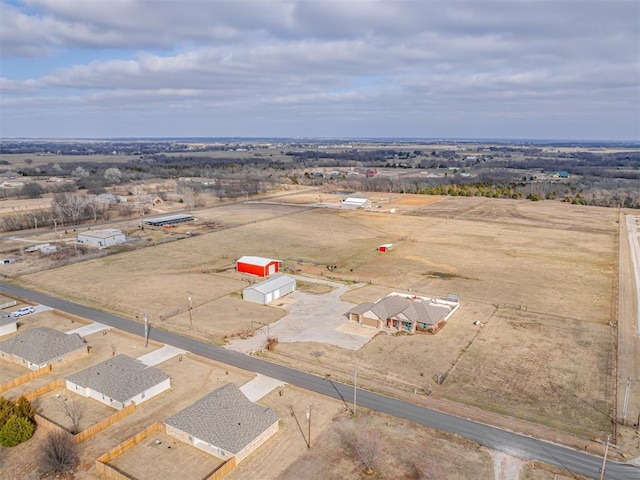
311 318
514 444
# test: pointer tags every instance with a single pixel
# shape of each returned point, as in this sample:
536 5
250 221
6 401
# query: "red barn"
262 267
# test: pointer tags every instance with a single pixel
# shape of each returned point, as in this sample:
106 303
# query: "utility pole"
190 310
309 420
626 401
35 222
146 330
355 389
604 459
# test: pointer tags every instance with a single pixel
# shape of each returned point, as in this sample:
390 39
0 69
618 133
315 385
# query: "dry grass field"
547 355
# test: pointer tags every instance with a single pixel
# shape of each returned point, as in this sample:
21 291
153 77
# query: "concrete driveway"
311 318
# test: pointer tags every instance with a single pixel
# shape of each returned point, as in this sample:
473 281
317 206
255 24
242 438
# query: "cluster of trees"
17 421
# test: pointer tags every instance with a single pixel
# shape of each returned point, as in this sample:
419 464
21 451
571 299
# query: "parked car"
23 311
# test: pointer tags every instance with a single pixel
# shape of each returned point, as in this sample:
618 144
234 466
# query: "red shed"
262 267
385 247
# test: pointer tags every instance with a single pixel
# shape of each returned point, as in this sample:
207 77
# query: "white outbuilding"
102 238
269 290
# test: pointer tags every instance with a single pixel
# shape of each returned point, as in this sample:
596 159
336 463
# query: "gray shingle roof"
362 308
41 345
120 378
419 311
390 306
225 418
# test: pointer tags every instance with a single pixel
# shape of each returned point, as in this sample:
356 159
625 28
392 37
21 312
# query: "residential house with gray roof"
119 381
36 348
404 313
224 423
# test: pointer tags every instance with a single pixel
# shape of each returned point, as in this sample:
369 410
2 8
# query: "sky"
320 68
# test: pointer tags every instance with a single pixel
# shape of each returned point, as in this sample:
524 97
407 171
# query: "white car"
23 311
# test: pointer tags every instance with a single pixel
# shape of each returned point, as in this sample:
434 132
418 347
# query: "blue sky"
320 68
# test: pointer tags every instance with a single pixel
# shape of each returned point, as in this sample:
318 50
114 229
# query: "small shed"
385 247
269 290
260 266
102 238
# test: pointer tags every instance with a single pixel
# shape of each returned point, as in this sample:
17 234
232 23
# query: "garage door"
269 297
272 269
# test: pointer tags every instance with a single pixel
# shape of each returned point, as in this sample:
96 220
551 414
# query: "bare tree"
80 173
59 453
188 195
113 175
143 199
74 411
367 449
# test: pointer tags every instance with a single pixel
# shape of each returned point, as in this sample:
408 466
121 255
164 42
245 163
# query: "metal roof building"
260 266
169 220
269 290
224 423
102 238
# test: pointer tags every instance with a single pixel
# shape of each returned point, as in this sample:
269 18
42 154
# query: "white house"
269 290
102 238
118 381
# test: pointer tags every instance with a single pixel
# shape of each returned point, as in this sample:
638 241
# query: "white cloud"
364 60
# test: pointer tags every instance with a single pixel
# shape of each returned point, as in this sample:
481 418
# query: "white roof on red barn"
263 262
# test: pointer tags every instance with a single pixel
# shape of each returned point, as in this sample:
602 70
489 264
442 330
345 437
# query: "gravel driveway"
311 318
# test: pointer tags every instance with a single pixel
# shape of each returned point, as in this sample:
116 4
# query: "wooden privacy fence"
107 422
112 473
27 377
223 470
33 394
102 462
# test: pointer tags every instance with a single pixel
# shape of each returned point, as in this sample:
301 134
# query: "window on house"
143 394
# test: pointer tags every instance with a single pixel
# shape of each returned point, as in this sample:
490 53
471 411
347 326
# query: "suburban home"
102 238
260 266
119 381
38 347
269 290
404 313
224 423
8 324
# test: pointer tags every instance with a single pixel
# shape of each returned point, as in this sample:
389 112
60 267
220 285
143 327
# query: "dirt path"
505 467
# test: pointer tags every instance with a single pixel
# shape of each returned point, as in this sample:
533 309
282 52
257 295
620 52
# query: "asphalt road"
511 443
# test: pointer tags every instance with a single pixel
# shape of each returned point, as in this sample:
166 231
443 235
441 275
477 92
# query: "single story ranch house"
404 313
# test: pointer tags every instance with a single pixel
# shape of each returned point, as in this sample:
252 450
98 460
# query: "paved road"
501 440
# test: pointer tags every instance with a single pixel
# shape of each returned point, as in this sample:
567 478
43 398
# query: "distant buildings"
102 238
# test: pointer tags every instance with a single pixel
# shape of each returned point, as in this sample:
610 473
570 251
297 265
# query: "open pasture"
548 266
